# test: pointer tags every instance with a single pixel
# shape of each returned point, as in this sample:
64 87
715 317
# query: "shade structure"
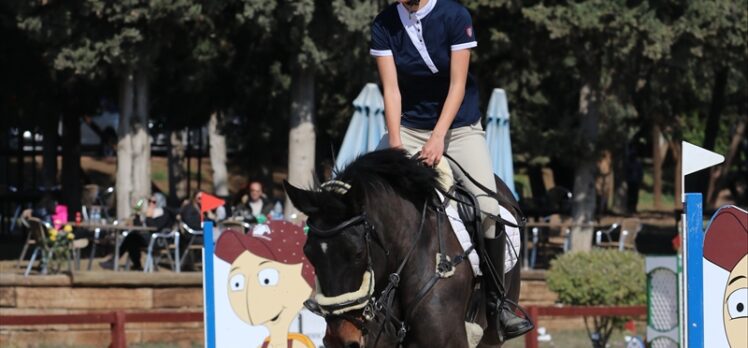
366 128
497 136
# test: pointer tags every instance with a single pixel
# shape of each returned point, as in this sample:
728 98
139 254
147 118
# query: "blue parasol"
497 136
366 128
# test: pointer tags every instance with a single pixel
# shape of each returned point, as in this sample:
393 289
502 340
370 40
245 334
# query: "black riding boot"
508 324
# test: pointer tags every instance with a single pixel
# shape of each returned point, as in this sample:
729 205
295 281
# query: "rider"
422 50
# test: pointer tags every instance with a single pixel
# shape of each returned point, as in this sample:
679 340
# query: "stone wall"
100 292
86 292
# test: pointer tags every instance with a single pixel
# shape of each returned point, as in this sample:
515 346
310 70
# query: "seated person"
157 216
253 202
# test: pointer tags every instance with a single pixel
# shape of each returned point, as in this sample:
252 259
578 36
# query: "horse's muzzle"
343 334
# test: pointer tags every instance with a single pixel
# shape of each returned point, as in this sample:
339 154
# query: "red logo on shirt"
469 31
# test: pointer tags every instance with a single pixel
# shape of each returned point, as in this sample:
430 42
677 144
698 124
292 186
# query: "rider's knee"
489 205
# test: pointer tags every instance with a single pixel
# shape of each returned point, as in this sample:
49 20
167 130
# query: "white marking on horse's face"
324 247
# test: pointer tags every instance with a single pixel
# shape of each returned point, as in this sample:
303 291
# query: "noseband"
338 305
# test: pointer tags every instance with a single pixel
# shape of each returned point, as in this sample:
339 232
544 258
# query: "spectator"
254 202
189 215
190 212
157 216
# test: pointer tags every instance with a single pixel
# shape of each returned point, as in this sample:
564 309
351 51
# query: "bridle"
339 305
380 307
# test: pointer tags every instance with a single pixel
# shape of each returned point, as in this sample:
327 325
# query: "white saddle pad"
512 238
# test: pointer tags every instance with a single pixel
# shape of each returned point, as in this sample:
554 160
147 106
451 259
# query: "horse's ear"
302 199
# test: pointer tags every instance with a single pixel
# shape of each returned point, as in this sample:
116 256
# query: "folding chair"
151 264
626 238
191 244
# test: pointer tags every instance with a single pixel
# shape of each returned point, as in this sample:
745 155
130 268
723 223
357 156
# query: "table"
569 226
98 227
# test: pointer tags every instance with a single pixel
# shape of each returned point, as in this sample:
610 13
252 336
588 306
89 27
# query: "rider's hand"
432 151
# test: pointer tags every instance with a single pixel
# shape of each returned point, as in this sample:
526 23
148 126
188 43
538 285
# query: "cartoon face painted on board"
726 245
735 309
266 292
269 280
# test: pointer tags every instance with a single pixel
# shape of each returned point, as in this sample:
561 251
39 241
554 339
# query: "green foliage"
655 63
599 278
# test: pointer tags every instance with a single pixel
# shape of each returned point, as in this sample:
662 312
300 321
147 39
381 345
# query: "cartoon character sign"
269 280
726 247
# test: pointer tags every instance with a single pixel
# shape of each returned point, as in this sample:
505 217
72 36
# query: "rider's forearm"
460 60
449 110
392 114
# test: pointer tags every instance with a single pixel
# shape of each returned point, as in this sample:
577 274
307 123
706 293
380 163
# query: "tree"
66 95
96 40
317 29
598 38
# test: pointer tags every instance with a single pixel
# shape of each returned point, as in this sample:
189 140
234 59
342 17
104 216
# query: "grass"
572 339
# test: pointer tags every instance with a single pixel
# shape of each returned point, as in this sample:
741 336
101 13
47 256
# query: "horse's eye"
236 283
268 277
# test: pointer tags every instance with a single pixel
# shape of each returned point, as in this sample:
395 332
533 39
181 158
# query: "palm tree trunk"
218 155
124 185
302 137
177 173
583 205
141 144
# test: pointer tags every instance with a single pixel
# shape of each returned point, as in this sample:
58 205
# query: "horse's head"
339 247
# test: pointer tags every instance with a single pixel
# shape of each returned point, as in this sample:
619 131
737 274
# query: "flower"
53 232
53 237
70 236
68 228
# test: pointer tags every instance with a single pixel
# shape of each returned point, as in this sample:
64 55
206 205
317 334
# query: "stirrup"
508 305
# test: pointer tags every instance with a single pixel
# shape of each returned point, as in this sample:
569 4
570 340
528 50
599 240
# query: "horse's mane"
390 170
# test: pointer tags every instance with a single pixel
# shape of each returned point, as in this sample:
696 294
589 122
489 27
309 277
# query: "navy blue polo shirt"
421 44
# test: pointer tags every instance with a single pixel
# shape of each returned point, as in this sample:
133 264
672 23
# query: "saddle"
467 205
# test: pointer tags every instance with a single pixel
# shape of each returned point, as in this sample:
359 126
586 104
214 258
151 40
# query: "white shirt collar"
420 13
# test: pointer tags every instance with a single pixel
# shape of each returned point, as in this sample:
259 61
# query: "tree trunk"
71 163
719 173
715 110
177 173
49 153
583 206
141 143
301 138
124 184
657 160
133 145
675 147
218 155
620 193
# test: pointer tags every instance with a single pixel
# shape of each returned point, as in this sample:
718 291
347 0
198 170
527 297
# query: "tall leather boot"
508 324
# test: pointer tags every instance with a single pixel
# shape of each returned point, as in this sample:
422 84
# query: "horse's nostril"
352 345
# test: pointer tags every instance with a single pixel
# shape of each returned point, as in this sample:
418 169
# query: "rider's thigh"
467 145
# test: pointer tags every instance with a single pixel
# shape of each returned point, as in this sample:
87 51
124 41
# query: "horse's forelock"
379 173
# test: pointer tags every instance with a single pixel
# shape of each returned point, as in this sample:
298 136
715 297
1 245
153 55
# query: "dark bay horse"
373 242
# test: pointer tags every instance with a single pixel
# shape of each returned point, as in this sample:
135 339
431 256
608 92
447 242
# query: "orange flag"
209 202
